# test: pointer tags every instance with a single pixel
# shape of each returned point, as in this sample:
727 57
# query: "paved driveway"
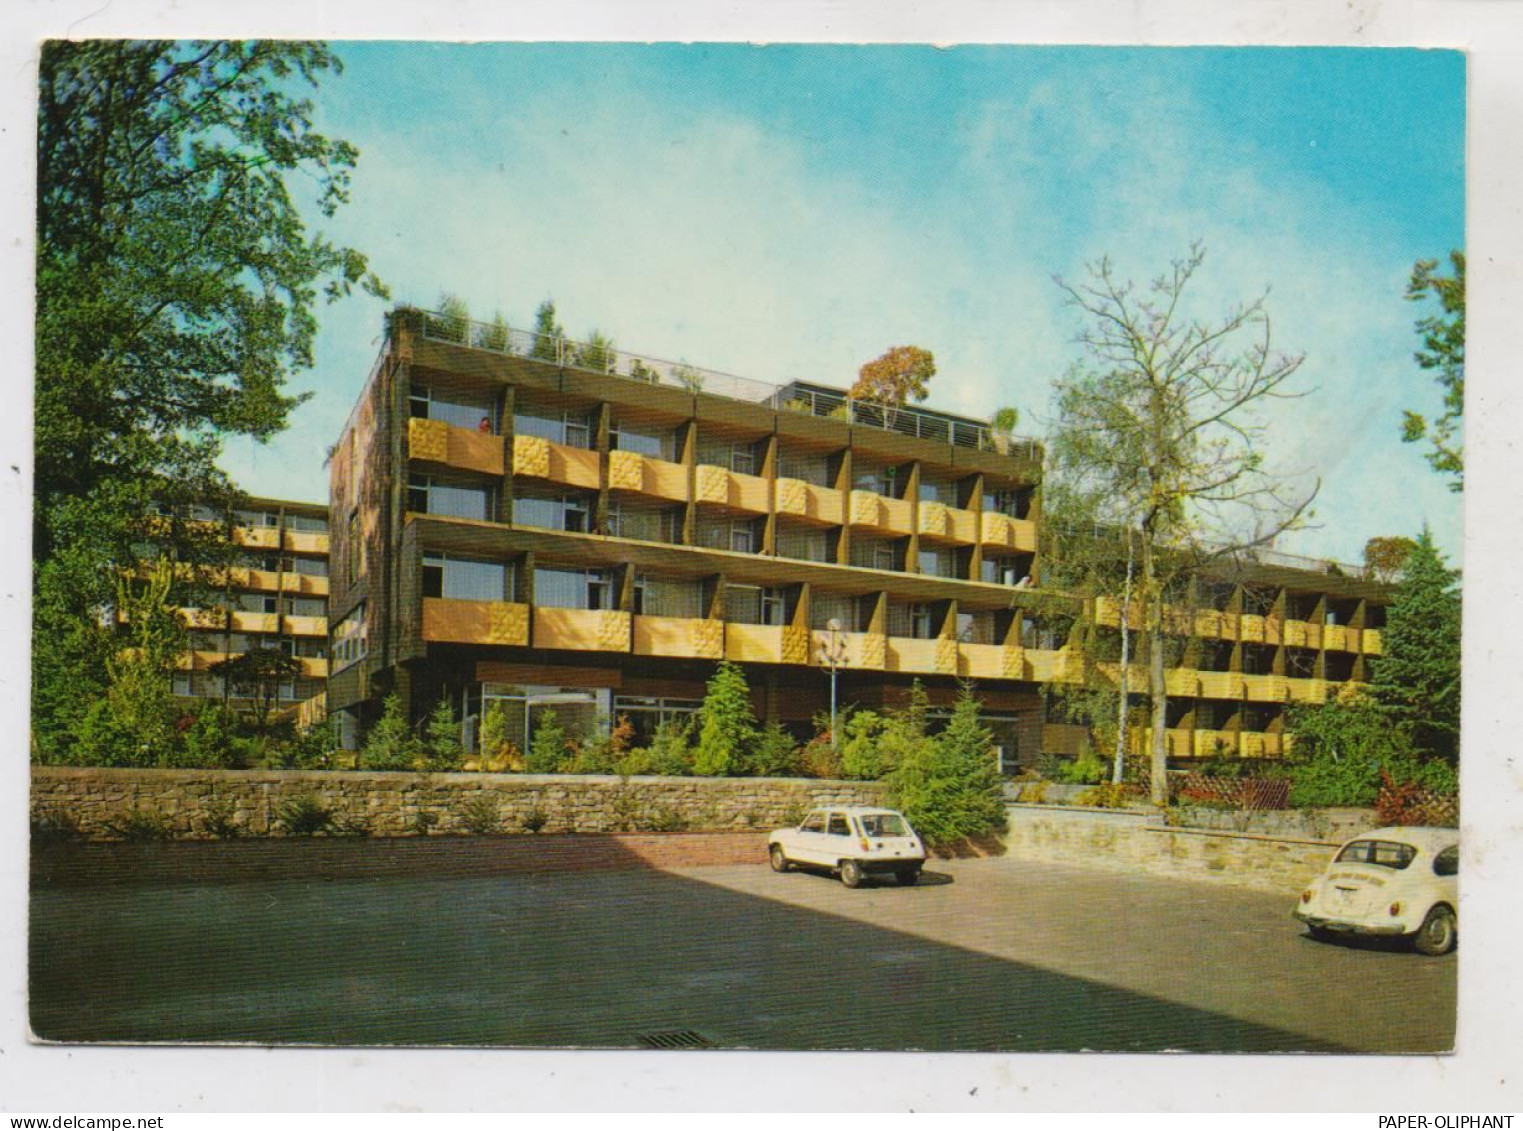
987 954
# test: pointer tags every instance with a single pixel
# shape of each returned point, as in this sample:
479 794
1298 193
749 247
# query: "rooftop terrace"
808 398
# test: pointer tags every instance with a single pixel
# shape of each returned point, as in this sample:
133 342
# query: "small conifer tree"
547 746
442 751
728 732
391 744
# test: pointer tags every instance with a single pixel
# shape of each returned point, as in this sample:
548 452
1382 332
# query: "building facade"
274 595
545 525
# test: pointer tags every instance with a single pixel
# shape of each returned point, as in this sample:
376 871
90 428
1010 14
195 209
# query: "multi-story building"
275 595
544 525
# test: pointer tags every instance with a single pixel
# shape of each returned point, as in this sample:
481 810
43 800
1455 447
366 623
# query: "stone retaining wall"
98 801
1140 842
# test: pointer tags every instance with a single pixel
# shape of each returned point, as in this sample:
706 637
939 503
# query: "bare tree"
1156 438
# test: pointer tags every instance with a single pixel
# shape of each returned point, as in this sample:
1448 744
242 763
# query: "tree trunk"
1158 692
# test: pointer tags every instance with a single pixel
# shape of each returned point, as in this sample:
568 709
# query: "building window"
626 437
1012 502
811 467
571 513
253 518
878 480
427 495
351 639
352 548
460 410
573 588
646 524
569 428
580 712
938 563
802 543
874 554
750 604
465 579
179 684
1001 571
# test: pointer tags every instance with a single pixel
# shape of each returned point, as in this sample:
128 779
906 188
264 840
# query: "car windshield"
1386 853
883 824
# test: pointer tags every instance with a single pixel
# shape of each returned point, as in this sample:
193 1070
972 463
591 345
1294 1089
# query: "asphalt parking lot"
993 954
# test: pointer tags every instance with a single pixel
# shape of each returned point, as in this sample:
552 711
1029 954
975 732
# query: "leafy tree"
495 335
311 749
727 734
690 378
1338 751
1155 437
442 751
257 675
899 374
547 333
547 745
1416 680
391 744
1443 351
497 747
671 748
216 740
176 287
1385 557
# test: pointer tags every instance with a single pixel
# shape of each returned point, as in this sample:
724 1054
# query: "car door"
807 844
837 843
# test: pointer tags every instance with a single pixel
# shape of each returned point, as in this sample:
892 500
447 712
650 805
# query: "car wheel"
1321 934
851 873
779 859
908 877
1437 934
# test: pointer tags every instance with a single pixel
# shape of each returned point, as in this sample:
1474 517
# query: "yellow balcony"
1063 665
1274 744
1221 685
1215 743
1108 613
537 458
307 626
1250 628
304 583
1136 675
256 537
253 579
682 637
1183 683
1179 743
1266 688
435 441
1273 630
866 651
935 524
1334 638
991 661
244 621
450 621
731 489
1252 744
1231 625
1208 623
766 643
306 542
929 657
1307 690
633 472
1063 738
1372 642
822 506
313 667
1008 533
875 512
581 630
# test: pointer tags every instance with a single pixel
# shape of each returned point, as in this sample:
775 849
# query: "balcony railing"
599 357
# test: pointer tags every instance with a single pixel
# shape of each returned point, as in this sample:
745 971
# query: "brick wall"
390 804
1139 842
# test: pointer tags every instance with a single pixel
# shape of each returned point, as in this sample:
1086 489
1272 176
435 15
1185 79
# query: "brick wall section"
1139 842
390 803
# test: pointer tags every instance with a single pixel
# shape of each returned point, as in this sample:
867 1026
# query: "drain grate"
676 1039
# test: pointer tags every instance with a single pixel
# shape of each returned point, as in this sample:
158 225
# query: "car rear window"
1447 862
883 824
1386 853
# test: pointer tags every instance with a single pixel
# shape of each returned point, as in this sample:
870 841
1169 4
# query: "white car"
1393 881
854 842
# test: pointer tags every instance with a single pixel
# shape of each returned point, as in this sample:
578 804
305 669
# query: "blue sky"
782 212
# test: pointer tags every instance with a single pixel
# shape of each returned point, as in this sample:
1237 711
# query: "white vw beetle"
855 842
1393 881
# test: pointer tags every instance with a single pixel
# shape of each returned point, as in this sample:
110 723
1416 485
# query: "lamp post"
832 656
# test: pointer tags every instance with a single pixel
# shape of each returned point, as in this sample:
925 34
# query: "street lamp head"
833 625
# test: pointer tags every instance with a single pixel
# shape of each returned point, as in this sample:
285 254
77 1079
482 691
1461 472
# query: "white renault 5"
854 842
1393 881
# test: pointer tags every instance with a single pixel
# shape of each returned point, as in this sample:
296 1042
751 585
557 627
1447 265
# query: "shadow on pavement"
592 958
